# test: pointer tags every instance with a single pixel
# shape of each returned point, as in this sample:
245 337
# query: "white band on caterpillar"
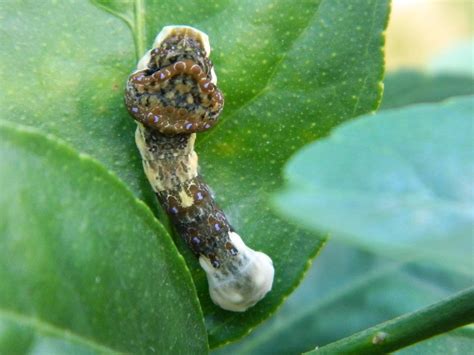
243 282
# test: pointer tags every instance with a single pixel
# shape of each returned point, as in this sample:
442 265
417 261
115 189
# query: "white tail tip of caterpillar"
241 283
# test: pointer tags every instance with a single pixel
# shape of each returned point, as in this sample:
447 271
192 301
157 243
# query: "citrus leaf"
399 183
84 267
289 74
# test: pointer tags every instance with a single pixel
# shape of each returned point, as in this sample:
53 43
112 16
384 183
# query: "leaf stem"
441 317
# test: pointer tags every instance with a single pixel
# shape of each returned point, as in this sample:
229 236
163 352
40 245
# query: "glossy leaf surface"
84 266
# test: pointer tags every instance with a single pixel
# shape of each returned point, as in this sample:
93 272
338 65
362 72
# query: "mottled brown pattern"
175 93
202 225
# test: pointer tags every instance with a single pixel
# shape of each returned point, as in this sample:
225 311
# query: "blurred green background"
429 57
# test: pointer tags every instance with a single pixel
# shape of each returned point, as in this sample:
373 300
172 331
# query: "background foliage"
364 283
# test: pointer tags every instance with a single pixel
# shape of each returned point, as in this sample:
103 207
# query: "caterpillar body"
172 95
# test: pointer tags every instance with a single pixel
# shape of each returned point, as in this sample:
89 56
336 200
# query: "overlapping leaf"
407 87
84 266
399 183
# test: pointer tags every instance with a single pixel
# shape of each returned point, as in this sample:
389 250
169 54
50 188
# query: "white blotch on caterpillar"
244 282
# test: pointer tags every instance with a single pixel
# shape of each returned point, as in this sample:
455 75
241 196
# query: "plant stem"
441 317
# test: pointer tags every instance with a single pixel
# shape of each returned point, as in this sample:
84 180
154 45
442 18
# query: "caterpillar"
172 95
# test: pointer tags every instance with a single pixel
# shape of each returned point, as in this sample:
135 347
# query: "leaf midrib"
139 25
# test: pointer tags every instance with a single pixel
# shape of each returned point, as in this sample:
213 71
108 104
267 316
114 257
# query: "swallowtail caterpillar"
172 95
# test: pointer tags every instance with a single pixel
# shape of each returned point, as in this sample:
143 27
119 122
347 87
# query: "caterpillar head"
174 87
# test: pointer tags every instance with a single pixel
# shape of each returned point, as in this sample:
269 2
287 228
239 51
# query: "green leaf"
407 87
289 72
399 183
369 288
83 264
74 66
